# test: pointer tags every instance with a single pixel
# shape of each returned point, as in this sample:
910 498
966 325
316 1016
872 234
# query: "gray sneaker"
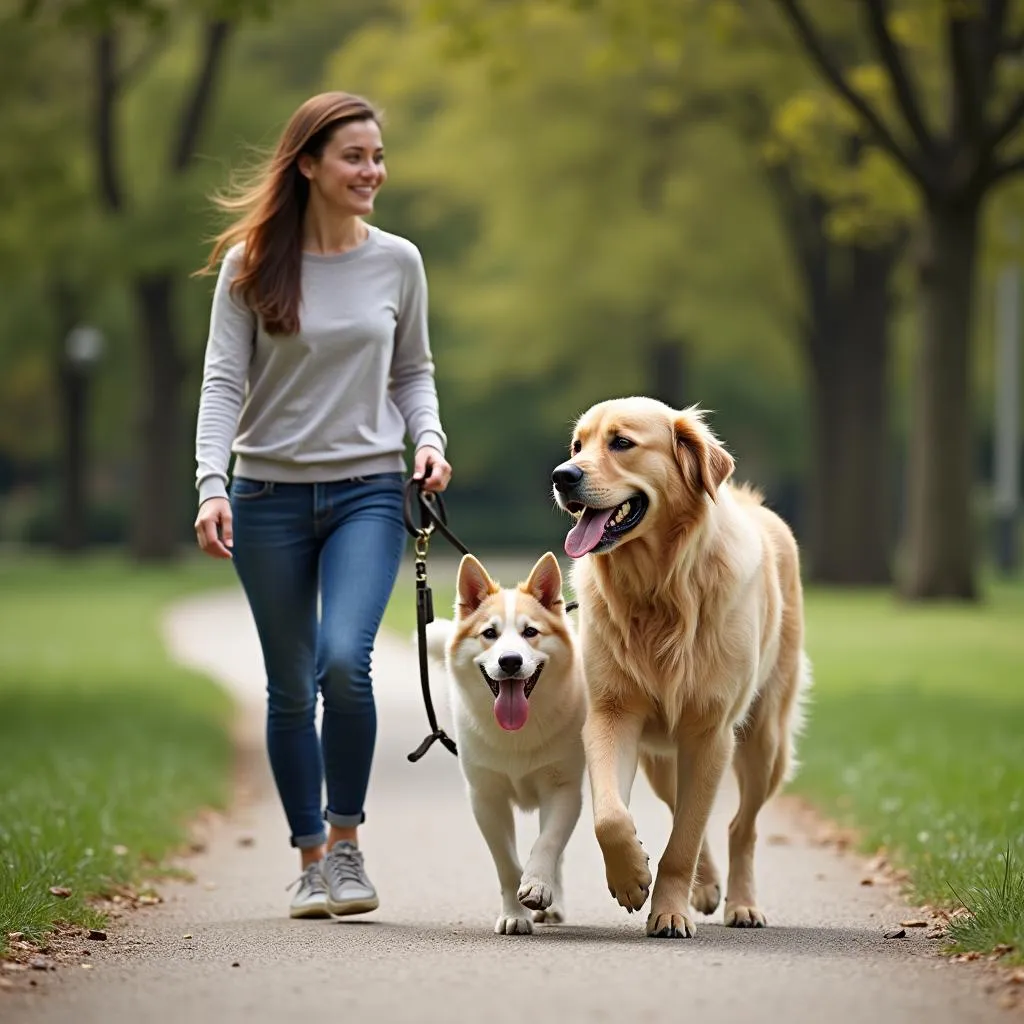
310 900
349 891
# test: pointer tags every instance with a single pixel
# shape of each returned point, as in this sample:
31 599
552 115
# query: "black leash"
433 516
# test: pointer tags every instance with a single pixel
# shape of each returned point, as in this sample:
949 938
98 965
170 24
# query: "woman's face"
349 172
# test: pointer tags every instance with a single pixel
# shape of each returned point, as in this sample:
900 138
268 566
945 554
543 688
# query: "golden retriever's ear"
474 585
703 461
545 581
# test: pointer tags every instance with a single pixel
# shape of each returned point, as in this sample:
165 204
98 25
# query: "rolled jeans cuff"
307 842
344 820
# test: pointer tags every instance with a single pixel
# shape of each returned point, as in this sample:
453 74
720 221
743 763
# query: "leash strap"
433 516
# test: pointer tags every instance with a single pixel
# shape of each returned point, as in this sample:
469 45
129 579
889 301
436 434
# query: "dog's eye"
620 444
530 632
490 633
577 446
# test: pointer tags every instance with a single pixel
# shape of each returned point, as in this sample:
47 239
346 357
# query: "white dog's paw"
553 915
535 894
738 915
509 925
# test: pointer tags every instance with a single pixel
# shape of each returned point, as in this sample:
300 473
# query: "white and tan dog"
518 706
692 632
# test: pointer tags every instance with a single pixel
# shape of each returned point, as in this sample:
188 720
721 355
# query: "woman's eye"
620 443
490 633
530 632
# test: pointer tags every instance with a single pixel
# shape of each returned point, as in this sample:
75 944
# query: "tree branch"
968 99
193 113
877 14
831 71
1004 129
105 129
1006 169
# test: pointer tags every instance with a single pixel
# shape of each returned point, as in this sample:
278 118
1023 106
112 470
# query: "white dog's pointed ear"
703 460
545 581
474 585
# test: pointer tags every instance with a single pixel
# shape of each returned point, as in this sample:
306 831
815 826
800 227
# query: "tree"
953 169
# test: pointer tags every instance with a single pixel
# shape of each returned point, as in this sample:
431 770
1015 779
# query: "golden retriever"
691 627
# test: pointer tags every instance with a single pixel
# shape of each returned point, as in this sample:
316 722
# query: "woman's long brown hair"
272 207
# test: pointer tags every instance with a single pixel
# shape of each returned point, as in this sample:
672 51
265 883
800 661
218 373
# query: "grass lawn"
915 738
107 746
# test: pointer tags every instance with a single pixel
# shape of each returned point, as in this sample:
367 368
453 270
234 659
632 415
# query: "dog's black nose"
566 476
510 663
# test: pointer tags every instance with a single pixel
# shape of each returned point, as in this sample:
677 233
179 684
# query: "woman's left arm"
412 378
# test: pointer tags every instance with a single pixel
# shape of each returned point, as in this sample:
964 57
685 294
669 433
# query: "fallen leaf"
60 892
896 933
914 922
98 934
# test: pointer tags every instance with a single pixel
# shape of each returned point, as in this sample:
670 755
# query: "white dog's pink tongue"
511 707
587 533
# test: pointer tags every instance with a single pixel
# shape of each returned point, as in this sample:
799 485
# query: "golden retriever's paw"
670 926
629 877
553 915
744 917
510 925
535 894
705 898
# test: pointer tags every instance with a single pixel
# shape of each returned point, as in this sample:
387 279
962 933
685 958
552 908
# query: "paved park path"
222 950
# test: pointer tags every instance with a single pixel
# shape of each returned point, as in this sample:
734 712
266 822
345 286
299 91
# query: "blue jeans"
341 542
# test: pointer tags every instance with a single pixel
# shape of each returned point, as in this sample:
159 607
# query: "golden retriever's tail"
796 718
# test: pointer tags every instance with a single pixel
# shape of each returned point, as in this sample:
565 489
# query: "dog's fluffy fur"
518 706
691 628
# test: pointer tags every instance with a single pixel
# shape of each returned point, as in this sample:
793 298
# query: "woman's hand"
431 467
213 527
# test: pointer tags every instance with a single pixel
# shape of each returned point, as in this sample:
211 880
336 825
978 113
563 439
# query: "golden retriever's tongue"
511 707
587 533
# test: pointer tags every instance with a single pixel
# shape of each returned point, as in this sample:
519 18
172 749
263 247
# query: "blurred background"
679 201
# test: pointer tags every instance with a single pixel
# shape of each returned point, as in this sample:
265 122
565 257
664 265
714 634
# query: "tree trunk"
158 524
849 363
667 367
939 542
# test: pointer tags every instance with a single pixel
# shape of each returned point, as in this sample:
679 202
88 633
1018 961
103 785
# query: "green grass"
915 737
106 745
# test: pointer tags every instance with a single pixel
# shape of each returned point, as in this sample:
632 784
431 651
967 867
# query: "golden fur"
691 627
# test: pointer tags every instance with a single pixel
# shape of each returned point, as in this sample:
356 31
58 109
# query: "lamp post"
83 348
1006 489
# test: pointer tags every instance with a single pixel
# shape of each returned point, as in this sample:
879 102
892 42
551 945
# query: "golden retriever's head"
637 467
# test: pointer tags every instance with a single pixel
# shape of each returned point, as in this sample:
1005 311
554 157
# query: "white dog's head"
507 637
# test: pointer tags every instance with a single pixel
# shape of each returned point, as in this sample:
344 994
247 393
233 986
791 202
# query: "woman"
317 365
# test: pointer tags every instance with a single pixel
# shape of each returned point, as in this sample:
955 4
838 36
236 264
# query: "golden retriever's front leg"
612 740
701 762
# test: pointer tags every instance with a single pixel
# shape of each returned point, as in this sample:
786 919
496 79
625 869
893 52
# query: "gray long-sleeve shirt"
335 400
